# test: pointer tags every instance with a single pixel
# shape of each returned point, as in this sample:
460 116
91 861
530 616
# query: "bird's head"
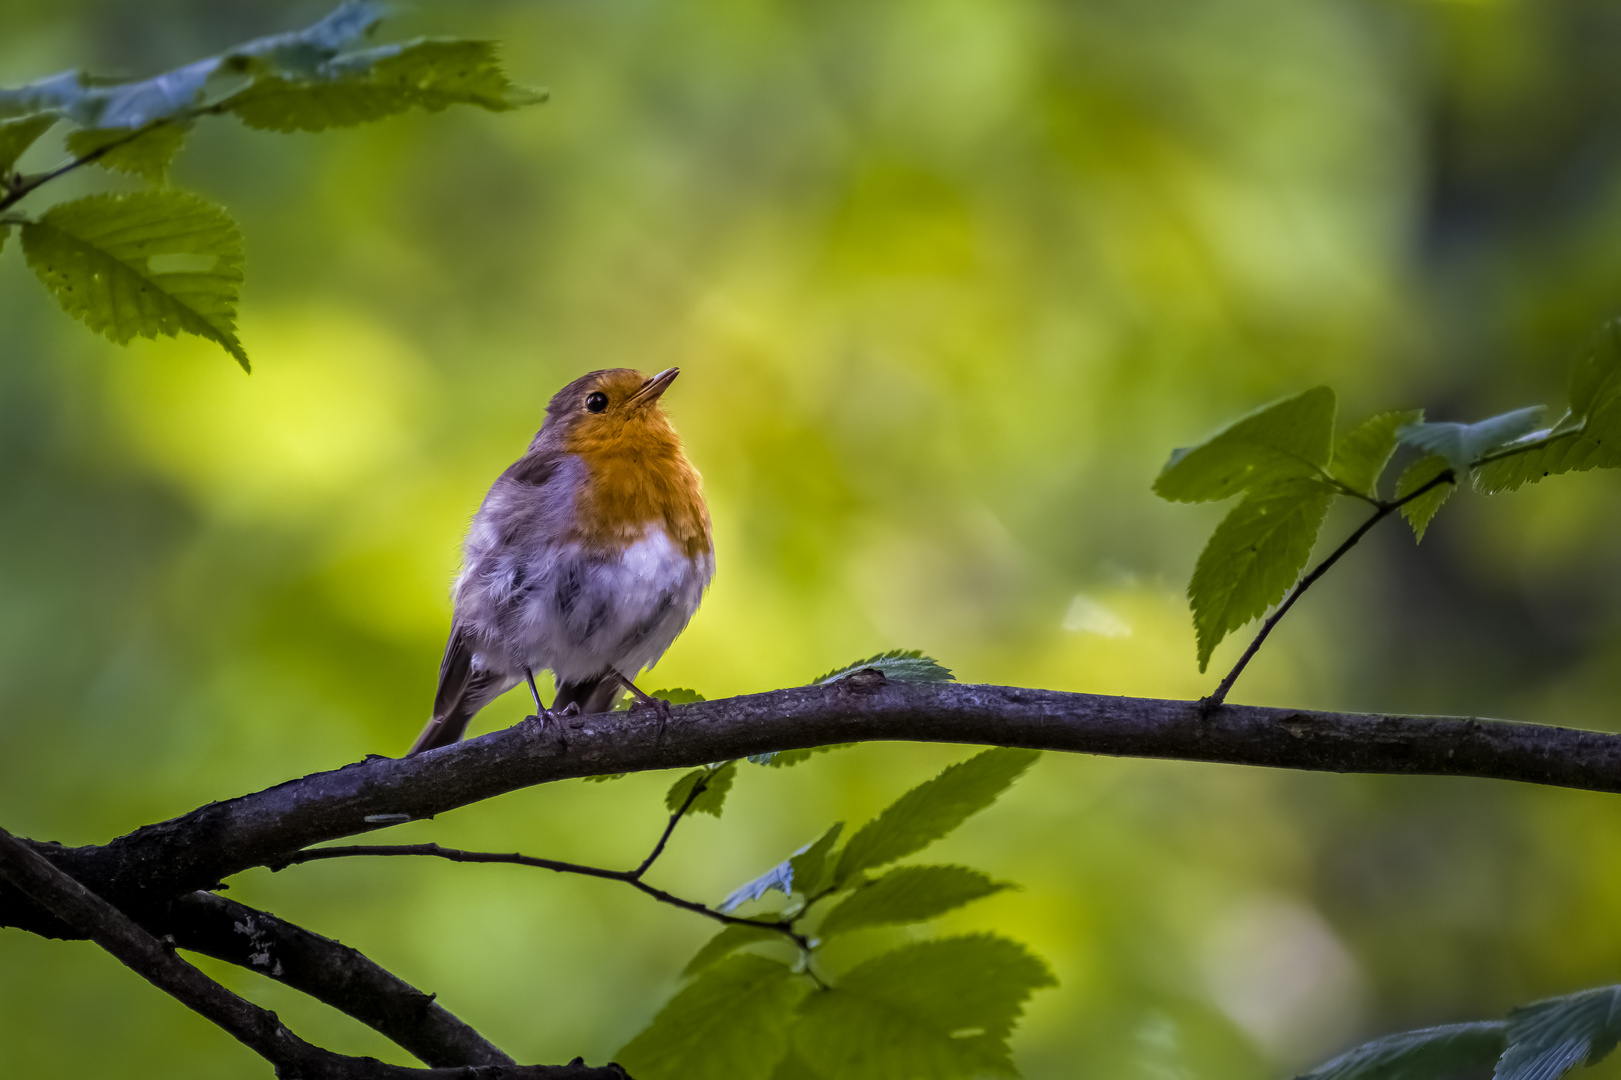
611 411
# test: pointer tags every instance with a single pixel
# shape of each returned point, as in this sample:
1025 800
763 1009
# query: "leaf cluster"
1287 468
937 1008
1541 1041
161 262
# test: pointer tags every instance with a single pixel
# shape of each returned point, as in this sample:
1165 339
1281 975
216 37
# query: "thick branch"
328 971
196 850
258 1029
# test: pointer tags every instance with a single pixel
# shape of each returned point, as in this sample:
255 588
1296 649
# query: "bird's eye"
597 401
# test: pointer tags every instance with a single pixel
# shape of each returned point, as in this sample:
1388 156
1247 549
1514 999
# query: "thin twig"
629 877
658 849
1215 700
28 184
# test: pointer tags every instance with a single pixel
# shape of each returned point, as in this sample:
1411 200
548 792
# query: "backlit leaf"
717 782
1253 557
729 1023
779 878
1453 1052
933 809
16 136
146 154
1422 510
355 88
1364 451
810 867
935 1010
908 894
732 938
1289 438
781 759
679 695
1589 436
1461 444
146 263
1549 1038
899 665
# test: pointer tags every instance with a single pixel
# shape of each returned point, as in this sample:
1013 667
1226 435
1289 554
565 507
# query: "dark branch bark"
328 971
259 1029
196 850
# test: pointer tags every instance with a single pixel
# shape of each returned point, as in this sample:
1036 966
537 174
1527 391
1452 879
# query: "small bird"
588 556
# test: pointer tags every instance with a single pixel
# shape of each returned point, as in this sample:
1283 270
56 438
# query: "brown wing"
462 692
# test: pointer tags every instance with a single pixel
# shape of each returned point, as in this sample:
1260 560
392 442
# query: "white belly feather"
578 614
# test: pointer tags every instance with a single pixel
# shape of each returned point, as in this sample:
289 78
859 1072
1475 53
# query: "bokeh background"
947 280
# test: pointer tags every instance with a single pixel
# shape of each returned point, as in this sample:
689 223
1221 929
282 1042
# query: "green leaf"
806 870
147 263
909 894
679 695
809 867
1589 435
1461 444
899 665
793 1067
730 1023
734 937
16 136
1549 1038
933 809
717 780
1453 1052
1288 438
1364 451
5 231
146 154
1421 510
935 1010
605 778
359 87
1253 557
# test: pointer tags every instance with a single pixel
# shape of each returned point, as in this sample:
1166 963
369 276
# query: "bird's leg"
542 712
659 705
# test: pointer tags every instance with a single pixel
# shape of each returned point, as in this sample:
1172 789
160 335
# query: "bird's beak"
654 387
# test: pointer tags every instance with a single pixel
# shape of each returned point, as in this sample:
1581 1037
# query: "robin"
588 556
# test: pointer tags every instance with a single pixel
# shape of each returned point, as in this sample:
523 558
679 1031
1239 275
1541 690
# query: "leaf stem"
28 184
1384 510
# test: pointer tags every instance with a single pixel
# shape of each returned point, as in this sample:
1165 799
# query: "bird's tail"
444 729
462 692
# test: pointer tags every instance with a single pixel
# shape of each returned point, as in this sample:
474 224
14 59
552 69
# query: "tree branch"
196 850
328 971
258 1029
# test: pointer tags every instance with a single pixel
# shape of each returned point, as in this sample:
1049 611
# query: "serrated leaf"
933 809
730 1023
908 894
1549 1038
1461 444
806 870
605 778
1589 435
146 154
810 868
1452 1052
360 87
717 781
1288 438
934 1010
732 938
899 665
781 759
1365 450
1253 557
16 136
96 256
679 695
1421 511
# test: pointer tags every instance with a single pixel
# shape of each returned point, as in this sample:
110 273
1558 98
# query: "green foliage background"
946 279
